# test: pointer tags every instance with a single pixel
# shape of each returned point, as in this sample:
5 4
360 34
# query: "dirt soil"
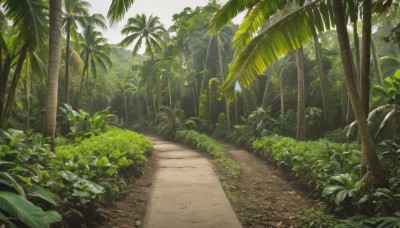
130 209
264 199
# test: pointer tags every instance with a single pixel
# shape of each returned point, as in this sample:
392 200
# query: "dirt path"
186 192
180 189
264 198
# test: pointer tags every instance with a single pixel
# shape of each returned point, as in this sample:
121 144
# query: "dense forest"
310 86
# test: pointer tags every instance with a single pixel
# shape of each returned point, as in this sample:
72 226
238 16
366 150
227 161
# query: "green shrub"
312 162
201 142
211 147
337 135
23 160
87 169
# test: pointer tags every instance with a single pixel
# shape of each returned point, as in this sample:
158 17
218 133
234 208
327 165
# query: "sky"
164 9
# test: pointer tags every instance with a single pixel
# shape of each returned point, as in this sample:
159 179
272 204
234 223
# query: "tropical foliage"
204 73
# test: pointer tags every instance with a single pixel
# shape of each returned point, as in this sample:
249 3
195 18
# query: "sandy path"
186 192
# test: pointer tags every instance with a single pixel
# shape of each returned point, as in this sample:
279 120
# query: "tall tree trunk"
323 81
13 86
55 45
93 93
282 95
67 54
375 62
3 88
125 106
357 51
204 71
27 92
264 99
86 66
365 135
365 69
221 70
169 94
301 117
146 103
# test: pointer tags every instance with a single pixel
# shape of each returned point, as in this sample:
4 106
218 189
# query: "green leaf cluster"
102 159
23 180
312 162
211 147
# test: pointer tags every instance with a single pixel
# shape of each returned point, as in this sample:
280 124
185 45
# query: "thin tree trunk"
221 69
93 94
375 62
264 99
146 103
82 80
55 45
357 51
125 107
301 117
365 69
3 88
323 82
27 91
365 135
282 95
204 71
169 94
67 54
13 86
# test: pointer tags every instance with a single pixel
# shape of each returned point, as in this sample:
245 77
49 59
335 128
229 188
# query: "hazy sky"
164 9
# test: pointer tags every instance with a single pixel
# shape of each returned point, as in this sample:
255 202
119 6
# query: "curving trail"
186 192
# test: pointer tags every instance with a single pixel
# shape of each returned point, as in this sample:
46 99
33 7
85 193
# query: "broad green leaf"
340 196
67 175
25 211
9 180
7 221
43 194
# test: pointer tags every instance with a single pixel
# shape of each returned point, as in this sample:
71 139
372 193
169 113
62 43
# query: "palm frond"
229 11
255 19
29 17
117 10
287 34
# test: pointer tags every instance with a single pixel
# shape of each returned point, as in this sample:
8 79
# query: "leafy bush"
22 167
337 135
311 162
211 147
221 127
171 120
82 124
201 142
88 169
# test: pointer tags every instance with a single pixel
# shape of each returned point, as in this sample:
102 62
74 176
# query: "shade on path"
186 191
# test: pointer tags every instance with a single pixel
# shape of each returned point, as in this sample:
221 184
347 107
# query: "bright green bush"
312 162
24 201
211 147
201 142
87 169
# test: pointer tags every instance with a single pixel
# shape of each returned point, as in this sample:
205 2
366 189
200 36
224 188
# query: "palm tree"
76 13
301 115
368 146
139 30
29 26
55 45
96 52
286 34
